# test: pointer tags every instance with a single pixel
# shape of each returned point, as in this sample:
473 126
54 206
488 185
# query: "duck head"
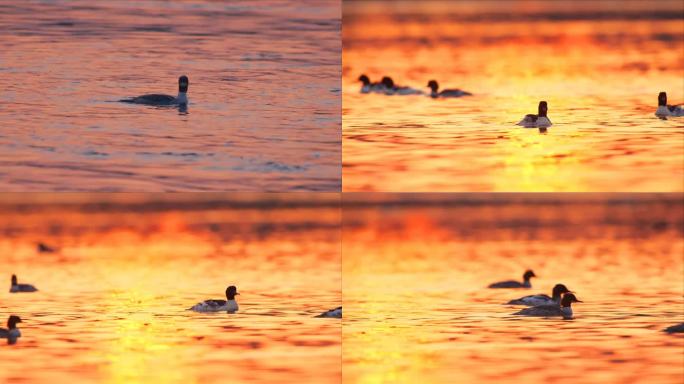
528 275
543 108
14 279
231 292
388 82
568 299
559 290
183 83
12 322
364 79
432 84
662 99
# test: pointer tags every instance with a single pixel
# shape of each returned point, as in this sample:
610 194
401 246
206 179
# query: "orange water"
599 65
111 305
264 112
417 306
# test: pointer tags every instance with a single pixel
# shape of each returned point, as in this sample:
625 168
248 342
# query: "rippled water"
264 110
600 66
417 308
111 305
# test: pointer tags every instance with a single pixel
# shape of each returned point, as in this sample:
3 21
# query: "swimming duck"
44 248
541 299
564 309
229 305
516 284
369 87
445 93
157 99
12 332
665 110
21 287
537 121
337 313
391 89
679 328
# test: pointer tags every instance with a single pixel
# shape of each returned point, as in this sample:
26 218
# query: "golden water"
599 65
112 301
417 307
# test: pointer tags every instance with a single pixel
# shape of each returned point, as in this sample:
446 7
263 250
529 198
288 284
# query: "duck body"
447 93
679 328
229 305
664 110
540 120
12 332
516 284
16 287
216 306
563 309
541 299
391 89
162 100
336 313
369 87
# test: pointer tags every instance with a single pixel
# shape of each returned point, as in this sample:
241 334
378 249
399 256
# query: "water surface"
417 308
264 110
599 65
112 299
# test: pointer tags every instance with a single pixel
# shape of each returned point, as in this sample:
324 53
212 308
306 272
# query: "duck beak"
236 293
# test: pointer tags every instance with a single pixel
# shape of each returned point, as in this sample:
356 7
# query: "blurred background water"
417 307
598 64
113 295
264 93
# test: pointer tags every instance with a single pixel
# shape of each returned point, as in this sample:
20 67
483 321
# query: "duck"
537 121
229 305
564 309
391 89
664 111
516 284
44 248
158 99
679 328
434 87
368 87
337 313
12 332
16 287
541 299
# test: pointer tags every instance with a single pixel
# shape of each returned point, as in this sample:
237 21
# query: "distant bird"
12 332
434 87
368 87
665 110
16 287
541 299
564 309
392 89
337 313
515 284
158 99
679 328
229 305
44 248
537 121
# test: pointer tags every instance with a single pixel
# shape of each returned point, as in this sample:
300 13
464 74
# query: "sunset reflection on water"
600 66
113 297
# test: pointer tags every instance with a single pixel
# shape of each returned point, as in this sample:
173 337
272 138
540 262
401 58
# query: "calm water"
600 66
112 299
417 308
264 110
